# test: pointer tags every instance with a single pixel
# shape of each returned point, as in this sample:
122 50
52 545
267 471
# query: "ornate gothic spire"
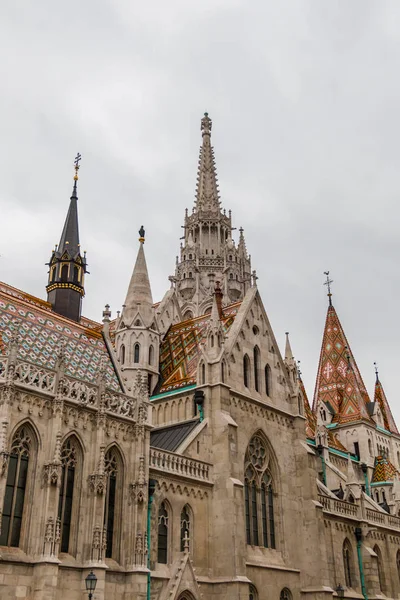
207 193
339 384
65 287
381 400
139 298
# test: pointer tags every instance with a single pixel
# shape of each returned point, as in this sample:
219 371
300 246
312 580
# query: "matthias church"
170 451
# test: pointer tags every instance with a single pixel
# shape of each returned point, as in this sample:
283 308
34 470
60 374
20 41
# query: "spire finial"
376 371
328 283
298 371
206 125
141 234
77 165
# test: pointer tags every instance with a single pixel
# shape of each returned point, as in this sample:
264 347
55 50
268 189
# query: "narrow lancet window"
162 541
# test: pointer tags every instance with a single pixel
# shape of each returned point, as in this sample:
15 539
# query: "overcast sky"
305 100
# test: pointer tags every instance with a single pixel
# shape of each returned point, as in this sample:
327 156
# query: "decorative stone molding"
99 543
52 473
137 493
52 536
4 456
141 550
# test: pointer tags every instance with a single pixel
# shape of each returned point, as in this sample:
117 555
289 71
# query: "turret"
137 337
67 266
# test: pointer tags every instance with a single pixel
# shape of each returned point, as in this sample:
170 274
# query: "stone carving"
34 376
52 536
120 404
79 392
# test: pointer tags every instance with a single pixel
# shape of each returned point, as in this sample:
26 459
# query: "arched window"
253 595
122 354
203 373
186 526
256 353
14 498
348 563
188 315
268 386
190 256
230 275
136 353
53 274
381 574
190 274
223 372
259 495
246 371
64 273
76 275
370 447
285 594
162 540
113 469
69 455
151 354
212 341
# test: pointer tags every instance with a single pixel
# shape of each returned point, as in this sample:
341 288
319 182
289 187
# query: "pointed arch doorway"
186 596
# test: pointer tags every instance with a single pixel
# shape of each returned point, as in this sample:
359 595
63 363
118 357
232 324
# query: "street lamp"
91 581
340 591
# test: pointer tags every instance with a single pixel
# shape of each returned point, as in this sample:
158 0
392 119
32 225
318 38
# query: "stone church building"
172 449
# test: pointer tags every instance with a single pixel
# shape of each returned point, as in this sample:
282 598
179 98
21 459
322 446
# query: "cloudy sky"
305 100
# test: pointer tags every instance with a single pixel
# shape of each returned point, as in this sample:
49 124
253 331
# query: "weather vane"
76 163
328 283
376 370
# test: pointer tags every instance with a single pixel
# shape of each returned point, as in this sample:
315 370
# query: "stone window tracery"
186 526
259 495
347 563
69 453
162 538
285 594
112 469
253 594
14 498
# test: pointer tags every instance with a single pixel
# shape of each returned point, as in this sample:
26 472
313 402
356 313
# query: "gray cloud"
304 98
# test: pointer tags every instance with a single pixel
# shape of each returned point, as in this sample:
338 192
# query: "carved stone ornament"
52 534
98 483
4 456
52 473
137 492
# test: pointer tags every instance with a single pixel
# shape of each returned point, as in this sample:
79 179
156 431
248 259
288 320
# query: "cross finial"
77 165
376 371
328 283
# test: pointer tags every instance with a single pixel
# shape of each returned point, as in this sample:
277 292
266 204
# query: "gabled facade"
173 451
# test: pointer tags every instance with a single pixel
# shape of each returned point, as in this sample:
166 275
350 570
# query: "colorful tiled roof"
40 330
334 442
339 382
383 470
380 398
181 348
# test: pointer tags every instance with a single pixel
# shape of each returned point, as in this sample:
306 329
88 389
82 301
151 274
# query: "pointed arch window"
112 463
259 495
268 380
381 574
186 526
348 563
76 275
203 373
223 372
162 540
253 594
14 498
246 371
285 594
64 273
151 354
69 453
256 357
122 354
136 353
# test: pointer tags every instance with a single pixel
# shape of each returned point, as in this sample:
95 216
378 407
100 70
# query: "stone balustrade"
374 517
39 379
168 462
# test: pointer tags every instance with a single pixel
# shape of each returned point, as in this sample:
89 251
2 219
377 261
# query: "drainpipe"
320 450
364 469
152 488
358 534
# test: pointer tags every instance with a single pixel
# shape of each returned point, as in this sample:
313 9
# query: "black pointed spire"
67 267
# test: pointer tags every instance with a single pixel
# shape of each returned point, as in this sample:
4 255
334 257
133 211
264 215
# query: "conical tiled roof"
207 194
339 383
383 470
387 416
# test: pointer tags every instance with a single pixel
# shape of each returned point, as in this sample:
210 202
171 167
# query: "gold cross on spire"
76 163
328 283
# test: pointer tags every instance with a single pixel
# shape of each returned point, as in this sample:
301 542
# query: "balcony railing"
161 460
354 511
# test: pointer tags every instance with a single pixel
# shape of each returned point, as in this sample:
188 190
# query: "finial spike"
328 283
77 165
376 371
142 234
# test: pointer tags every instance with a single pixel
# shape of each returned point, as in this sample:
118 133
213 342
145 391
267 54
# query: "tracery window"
246 371
69 453
136 353
14 498
259 495
185 525
268 380
112 468
162 540
253 595
285 594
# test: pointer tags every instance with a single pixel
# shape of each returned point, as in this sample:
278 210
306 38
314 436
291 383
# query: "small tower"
137 339
67 267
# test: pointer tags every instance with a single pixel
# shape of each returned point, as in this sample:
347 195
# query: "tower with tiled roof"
381 403
136 333
67 266
208 252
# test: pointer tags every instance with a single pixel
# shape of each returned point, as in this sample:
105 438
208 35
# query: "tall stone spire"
207 193
381 401
65 287
139 298
339 384
208 253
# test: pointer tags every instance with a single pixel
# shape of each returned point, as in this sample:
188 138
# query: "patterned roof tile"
383 470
